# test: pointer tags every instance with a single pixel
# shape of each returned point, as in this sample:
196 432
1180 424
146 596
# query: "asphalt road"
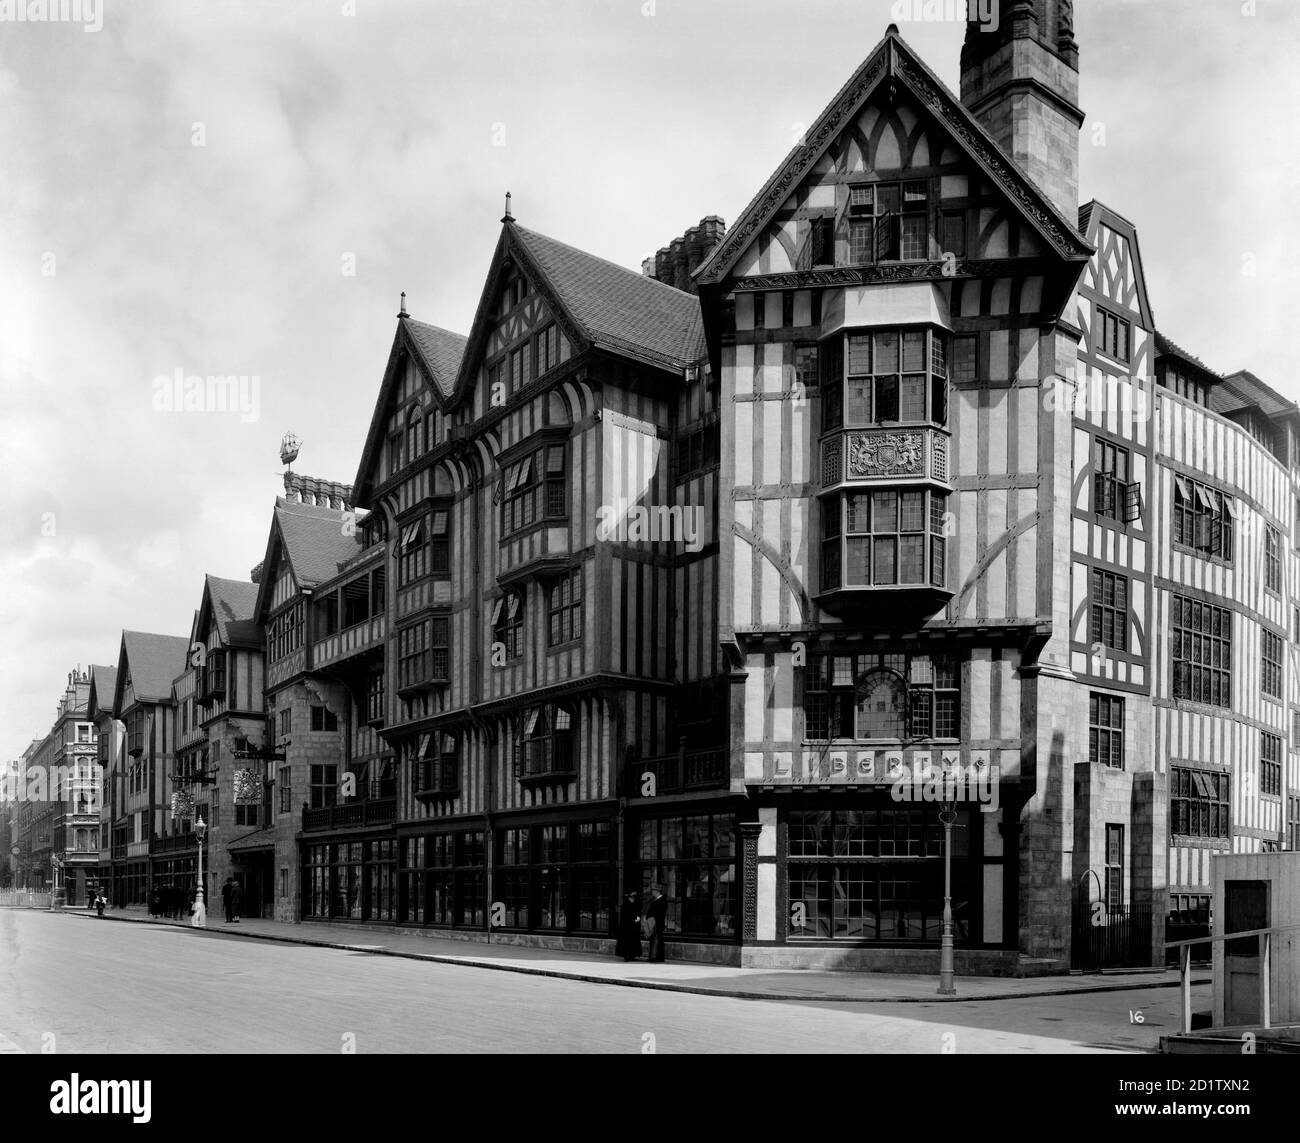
74 986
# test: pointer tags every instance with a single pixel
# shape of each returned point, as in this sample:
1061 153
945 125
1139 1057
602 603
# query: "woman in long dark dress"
628 945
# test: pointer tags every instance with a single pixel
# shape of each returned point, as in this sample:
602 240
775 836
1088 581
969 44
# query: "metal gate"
1110 938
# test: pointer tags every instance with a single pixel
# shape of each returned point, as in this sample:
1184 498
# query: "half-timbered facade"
221 772
147 664
320 614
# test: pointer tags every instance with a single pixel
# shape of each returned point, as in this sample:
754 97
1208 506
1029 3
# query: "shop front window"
694 859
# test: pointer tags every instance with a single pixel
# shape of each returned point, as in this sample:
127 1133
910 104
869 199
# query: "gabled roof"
151 662
1099 212
441 350
893 62
313 539
438 353
1243 390
596 302
232 605
103 687
620 309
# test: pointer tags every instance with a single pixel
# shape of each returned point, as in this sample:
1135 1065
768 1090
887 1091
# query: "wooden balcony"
350 815
360 639
687 770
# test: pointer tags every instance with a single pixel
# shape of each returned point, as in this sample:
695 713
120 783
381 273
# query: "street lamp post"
200 918
946 986
57 894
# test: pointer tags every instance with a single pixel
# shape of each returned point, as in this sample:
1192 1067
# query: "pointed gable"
232 606
147 664
103 686
617 308
423 364
307 543
1114 271
536 282
893 114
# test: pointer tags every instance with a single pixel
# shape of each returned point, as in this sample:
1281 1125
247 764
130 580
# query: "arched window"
881 699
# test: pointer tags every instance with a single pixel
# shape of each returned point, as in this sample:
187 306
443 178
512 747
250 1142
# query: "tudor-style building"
320 602
110 749
527 662
219 711
147 664
915 404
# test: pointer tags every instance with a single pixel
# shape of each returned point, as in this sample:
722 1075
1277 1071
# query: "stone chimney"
675 263
1020 79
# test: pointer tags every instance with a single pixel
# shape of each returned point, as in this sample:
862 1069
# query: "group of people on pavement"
232 898
636 921
171 901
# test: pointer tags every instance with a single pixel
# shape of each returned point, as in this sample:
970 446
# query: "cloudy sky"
245 188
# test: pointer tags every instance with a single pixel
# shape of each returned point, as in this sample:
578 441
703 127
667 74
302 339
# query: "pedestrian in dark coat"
628 945
656 912
236 900
228 898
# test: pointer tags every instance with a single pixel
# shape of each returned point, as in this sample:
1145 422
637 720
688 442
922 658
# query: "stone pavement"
673 976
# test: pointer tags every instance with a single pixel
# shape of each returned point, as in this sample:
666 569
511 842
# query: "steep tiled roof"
1085 216
103 684
620 309
441 349
314 540
234 604
153 661
1166 346
1243 390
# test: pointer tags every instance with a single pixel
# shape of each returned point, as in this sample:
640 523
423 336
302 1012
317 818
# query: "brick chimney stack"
675 263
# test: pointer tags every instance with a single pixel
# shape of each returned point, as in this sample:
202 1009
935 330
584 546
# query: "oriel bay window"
534 489
892 697
890 376
564 608
875 874
889 538
436 766
422 653
545 745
